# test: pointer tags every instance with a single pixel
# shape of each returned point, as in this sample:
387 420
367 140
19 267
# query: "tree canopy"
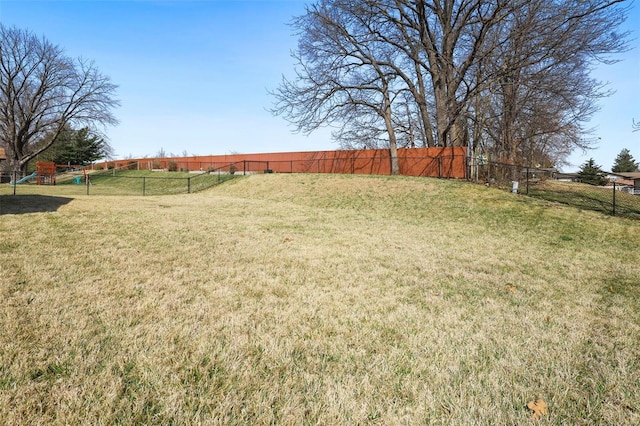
509 78
624 162
592 173
43 91
76 148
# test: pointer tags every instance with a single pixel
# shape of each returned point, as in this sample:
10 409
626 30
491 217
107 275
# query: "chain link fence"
160 177
613 199
114 182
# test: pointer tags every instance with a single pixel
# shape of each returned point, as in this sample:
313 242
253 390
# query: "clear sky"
194 75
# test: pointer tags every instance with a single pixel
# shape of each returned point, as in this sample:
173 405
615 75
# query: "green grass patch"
125 182
316 299
588 197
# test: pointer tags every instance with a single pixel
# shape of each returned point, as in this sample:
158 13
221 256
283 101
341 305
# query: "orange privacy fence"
430 162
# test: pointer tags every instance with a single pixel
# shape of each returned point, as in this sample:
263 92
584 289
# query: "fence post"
144 185
15 181
244 167
189 185
86 182
527 190
614 198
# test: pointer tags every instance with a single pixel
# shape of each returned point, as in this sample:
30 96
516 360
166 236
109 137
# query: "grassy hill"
313 299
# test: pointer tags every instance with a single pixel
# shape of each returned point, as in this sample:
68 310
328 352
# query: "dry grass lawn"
317 299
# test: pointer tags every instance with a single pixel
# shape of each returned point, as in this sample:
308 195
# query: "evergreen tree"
624 162
592 173
76 147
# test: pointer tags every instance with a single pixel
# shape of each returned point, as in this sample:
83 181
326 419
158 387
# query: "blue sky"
194 75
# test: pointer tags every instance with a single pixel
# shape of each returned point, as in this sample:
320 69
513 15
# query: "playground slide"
26 178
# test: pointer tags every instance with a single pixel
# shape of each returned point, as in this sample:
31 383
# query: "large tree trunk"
393 142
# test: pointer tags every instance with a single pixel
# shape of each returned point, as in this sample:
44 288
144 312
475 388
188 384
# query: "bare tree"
511 77
340 78
43 91
543 92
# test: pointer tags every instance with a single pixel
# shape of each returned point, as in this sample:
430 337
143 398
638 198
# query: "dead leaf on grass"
539 408
287 240
511 288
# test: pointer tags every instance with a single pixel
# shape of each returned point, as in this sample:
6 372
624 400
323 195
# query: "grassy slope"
319 299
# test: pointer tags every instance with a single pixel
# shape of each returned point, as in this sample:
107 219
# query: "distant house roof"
567 176
626 175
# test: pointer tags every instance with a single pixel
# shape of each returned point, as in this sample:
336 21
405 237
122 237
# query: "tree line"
508 78
592 173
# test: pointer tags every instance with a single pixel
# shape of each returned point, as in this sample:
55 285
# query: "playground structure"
27 178
46 173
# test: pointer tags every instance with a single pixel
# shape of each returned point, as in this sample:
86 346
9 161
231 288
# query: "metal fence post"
144 185
614 198
189 185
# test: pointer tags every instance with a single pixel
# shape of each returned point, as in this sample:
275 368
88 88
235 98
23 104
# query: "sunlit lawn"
316 299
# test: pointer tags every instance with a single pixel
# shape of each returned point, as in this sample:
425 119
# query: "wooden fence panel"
428 162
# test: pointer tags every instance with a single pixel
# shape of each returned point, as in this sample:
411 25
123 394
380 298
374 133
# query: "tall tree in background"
624 162
343 77
509 77
76 148
42 92
543 91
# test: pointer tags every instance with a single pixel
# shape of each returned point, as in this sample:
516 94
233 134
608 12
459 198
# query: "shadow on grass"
20 204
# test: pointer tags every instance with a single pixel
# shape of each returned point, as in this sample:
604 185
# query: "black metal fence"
116 182
515 178
613 198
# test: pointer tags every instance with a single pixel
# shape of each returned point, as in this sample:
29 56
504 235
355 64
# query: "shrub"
172 166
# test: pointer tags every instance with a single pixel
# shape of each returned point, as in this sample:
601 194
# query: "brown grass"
308 299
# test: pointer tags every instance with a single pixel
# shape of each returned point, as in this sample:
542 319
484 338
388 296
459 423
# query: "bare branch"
42 91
